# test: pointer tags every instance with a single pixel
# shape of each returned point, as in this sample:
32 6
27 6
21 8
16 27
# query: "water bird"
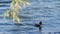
39 25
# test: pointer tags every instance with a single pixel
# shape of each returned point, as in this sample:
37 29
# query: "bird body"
38 25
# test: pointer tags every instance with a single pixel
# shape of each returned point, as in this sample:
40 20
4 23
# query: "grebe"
38 25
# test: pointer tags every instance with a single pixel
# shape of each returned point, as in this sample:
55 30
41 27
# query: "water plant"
15 7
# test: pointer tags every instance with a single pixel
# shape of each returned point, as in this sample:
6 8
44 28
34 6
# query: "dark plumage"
38 25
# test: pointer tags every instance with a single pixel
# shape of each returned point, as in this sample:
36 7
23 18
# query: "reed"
15 8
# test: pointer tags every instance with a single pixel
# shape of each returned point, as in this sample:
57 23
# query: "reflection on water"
17 29
46 10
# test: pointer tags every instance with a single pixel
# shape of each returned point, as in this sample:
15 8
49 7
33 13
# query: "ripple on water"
45 10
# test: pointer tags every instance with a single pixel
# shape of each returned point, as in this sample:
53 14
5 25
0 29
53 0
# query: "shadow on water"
21 29
40 30
15 30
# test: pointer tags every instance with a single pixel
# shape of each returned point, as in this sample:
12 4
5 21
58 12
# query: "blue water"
47 11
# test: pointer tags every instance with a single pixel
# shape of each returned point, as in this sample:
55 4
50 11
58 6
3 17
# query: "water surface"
47 11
